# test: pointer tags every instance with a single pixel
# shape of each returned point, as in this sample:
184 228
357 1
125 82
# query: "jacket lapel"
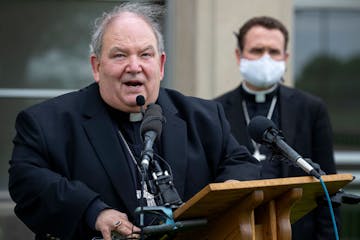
235 115
103 136
288 114
288 120
173 142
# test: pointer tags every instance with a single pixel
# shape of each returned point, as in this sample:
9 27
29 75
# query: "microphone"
164 192
150 128
140 101
264 131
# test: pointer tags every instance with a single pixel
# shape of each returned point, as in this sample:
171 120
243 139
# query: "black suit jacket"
305 124
67 153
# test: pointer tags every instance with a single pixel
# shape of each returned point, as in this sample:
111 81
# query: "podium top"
216 198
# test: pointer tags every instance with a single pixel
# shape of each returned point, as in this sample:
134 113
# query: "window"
327 63
44 53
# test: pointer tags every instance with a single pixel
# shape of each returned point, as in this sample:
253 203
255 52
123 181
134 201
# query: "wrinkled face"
130 63
259 40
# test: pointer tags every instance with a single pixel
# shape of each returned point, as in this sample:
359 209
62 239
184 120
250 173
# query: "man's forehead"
128 20
129 28
129 23
260 35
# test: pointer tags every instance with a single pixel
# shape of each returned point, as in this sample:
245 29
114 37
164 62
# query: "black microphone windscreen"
140 100
258 126
153 120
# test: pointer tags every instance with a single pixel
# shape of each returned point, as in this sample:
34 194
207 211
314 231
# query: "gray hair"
150 13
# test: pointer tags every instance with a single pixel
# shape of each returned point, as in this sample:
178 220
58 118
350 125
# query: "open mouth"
133 84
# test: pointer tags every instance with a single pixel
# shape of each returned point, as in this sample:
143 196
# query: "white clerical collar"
135 117
260 96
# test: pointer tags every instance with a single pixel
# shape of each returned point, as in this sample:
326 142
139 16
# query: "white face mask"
263 72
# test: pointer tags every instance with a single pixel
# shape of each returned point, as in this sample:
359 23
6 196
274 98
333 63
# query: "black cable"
167 165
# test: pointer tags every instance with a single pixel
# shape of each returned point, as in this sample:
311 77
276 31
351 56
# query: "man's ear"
95 66
286 56
162 65
238 55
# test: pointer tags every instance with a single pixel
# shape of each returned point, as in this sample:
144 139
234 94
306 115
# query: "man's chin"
131 104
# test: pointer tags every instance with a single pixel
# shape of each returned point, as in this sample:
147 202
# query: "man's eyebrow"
115 49
257 48
150 47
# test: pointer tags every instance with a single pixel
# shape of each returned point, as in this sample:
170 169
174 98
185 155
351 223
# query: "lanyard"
257 154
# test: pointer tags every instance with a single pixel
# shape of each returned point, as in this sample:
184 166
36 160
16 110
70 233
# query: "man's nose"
134 65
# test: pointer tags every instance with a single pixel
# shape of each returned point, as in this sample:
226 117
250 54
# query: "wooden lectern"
258 209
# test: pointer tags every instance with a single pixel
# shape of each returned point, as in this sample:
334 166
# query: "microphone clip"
271 134
165 193
339 198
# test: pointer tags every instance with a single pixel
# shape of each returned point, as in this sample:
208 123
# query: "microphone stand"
158 182
146 160
338 198
141 216
167 199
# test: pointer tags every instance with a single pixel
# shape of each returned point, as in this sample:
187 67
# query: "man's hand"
111 220
232 181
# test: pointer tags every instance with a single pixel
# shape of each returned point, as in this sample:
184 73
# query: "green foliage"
337 82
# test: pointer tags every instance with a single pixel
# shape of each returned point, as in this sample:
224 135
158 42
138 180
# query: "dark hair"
263 21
